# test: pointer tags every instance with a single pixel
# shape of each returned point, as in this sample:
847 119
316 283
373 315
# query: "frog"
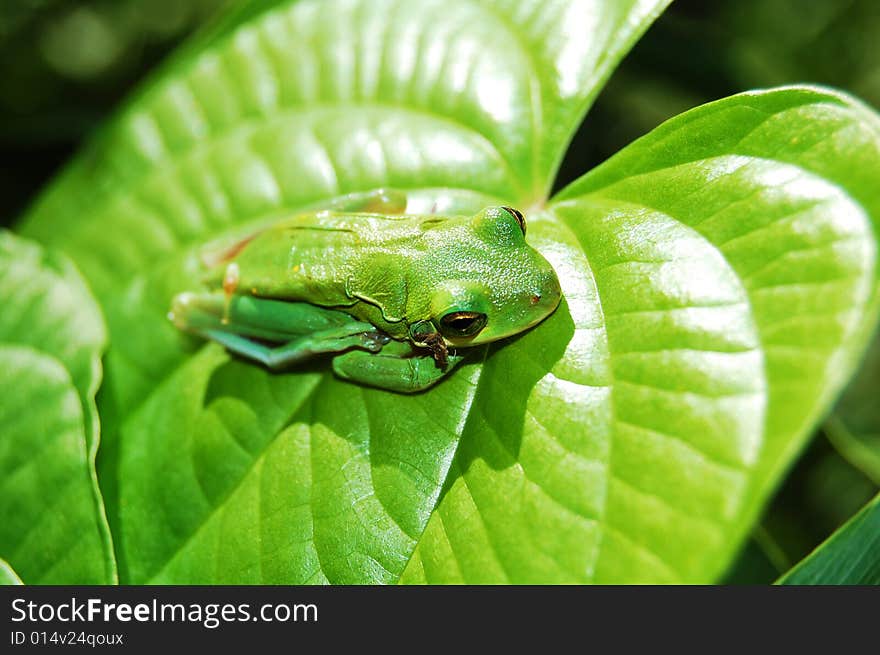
397 300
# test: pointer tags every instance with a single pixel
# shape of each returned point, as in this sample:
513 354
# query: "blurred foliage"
699 51
850 556
854 429
64 65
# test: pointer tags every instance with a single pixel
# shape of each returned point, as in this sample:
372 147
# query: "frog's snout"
548 296
541 300
544 302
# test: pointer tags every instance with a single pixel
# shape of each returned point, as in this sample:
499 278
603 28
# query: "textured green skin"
392 272
403 263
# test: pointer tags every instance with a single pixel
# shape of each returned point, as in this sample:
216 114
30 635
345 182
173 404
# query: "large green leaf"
782 183
728 261
631 437
52 523
849 556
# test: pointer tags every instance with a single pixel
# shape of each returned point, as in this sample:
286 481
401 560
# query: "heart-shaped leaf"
719 279
728 267
52 524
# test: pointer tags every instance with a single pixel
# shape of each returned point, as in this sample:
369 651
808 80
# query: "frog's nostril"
535 299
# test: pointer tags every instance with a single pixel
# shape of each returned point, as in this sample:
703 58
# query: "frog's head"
489 283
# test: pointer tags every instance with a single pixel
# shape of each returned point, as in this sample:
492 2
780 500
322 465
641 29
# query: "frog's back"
314 257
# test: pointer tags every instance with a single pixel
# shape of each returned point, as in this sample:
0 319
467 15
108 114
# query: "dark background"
65 65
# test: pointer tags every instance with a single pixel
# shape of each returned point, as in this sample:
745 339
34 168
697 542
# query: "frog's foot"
374 340
424 335
397 368
437 346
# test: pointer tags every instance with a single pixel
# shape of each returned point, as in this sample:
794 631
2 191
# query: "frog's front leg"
395 368
302 330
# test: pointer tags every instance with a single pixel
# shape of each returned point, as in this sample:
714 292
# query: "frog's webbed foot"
424 335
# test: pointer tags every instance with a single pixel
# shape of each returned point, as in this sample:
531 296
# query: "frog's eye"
517 214
462 324
502 226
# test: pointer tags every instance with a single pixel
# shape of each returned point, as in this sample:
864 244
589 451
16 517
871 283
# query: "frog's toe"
374 341
181 306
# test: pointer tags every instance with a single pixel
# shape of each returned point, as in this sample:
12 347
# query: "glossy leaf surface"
52 524
719 279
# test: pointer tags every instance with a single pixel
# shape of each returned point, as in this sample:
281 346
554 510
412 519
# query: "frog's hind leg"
301 349
243 324
261 318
